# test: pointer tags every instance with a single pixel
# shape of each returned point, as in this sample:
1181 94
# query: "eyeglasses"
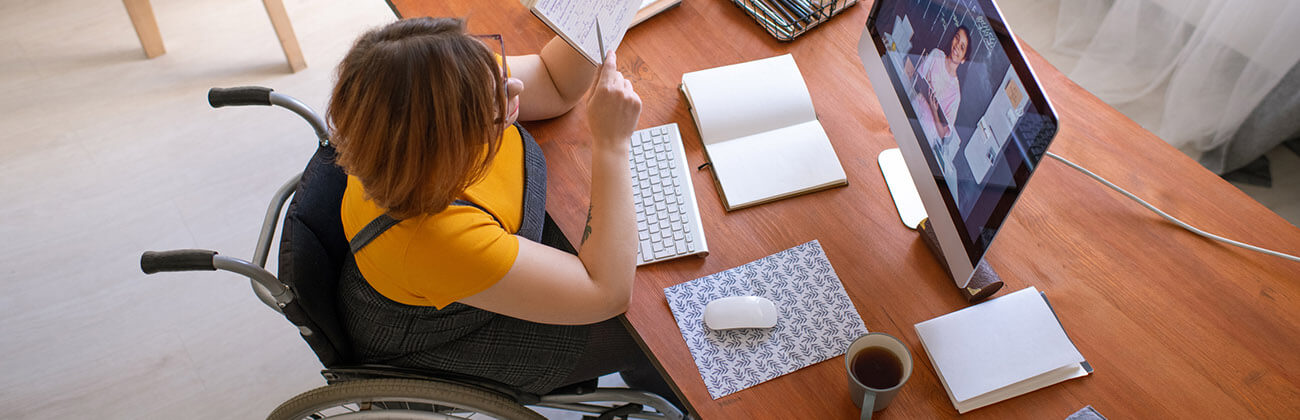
498 47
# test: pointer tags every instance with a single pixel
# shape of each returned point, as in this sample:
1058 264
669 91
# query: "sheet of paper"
748 98
575 21
997 343
817 320
770 164
1019 388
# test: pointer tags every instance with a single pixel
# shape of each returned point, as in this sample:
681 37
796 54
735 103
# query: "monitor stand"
985 282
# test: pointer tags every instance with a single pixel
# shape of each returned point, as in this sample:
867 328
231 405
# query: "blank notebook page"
748 98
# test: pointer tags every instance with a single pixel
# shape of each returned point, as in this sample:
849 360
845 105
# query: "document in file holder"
760 132
816 320
1000 349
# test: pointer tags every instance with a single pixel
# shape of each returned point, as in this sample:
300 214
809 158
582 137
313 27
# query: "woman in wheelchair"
454 265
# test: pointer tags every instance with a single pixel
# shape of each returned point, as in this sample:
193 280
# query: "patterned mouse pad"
816 322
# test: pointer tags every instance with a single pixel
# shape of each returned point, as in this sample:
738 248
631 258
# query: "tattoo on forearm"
586 232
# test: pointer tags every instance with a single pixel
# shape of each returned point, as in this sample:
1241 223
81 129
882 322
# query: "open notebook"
760 132
1000 349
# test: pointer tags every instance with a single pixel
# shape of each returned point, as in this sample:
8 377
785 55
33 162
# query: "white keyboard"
667 217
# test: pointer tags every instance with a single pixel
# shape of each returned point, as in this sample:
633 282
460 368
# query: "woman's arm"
554 80
550 286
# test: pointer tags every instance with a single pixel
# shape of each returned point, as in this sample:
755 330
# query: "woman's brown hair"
416 113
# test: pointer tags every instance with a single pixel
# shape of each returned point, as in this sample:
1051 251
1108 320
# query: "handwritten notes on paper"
575 22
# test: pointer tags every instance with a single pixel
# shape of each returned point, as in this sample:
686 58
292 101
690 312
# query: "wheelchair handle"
269 289
239 96
177 260
257 95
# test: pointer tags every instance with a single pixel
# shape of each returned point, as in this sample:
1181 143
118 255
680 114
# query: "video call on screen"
968 106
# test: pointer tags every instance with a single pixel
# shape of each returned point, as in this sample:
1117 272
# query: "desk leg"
284 31
146 27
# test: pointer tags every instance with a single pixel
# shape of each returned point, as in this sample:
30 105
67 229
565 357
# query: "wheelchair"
312 251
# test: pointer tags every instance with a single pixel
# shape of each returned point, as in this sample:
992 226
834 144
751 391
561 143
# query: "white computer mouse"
740 312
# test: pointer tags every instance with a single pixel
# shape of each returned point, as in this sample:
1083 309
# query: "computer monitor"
969 116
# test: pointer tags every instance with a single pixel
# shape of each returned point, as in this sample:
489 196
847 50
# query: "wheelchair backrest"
312 250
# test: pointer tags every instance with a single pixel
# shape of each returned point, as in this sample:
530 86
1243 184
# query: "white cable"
1171 218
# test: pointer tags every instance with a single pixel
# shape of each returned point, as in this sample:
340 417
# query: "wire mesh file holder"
787 19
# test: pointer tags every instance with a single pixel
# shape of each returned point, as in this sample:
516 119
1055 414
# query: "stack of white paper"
1000 349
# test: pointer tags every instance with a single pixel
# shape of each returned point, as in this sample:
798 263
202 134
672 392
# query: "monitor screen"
980 118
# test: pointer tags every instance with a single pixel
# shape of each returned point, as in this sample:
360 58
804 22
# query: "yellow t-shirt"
434 260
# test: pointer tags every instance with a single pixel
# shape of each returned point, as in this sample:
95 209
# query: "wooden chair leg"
146 27
284 31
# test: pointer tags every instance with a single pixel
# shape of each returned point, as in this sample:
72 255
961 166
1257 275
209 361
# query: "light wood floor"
105 154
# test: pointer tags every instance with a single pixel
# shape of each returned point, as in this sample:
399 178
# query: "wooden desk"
1176 326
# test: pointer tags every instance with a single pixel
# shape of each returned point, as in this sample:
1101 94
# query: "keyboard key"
646 252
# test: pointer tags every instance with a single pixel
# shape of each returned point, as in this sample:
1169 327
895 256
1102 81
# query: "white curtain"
1209 63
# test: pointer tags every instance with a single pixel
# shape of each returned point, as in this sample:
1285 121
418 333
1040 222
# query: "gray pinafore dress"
459 338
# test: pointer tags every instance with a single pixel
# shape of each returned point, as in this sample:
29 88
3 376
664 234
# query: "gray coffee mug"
873 399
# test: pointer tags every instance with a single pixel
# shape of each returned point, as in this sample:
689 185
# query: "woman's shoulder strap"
383 222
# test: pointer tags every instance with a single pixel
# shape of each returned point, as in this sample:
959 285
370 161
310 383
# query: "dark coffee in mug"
877 367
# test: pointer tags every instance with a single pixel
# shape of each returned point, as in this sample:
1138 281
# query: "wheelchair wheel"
400 399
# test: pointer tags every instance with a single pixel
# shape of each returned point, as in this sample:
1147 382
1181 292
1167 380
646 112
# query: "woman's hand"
614 107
